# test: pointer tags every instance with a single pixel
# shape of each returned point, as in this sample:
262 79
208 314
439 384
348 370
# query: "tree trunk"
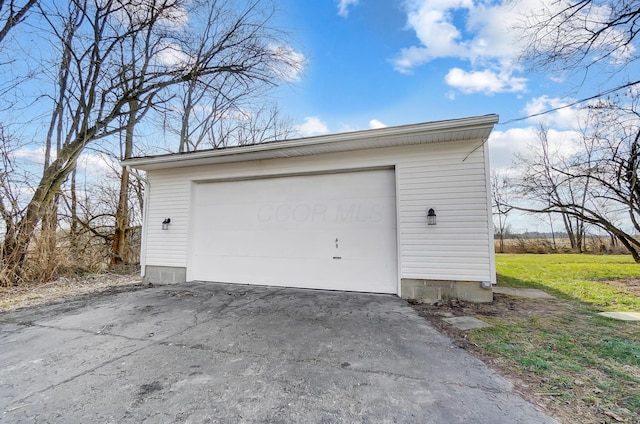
49 239
73 230
119 245
553 234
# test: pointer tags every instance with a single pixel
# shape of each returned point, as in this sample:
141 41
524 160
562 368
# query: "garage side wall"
449 177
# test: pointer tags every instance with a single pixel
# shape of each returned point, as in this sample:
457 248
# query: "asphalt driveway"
206 352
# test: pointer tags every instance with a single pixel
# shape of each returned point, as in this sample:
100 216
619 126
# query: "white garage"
274 231
339 212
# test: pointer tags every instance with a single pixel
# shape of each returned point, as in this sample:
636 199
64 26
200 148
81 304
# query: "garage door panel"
270 243
273 243
354 276
334 231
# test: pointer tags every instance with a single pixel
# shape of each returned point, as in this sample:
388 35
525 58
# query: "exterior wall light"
431 217
165 223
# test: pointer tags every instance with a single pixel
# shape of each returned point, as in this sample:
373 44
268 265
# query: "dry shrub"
593 245
531 245
44 263
60 255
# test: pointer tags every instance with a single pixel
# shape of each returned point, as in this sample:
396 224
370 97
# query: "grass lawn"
589 278
583 367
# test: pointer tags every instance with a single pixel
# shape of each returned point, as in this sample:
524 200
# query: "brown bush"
63 256
593 245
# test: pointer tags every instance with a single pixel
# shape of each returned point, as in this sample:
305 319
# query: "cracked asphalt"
219 353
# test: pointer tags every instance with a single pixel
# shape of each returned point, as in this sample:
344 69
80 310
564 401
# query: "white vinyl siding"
455 248
449 177
170 199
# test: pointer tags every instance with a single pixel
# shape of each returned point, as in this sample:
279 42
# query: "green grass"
565 351
573 276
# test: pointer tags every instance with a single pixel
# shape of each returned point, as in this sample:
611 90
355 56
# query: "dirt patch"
629 285
62 289
503 306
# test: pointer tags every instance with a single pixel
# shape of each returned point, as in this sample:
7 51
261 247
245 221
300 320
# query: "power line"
595 96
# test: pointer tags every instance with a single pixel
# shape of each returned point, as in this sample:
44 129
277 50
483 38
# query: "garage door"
328 231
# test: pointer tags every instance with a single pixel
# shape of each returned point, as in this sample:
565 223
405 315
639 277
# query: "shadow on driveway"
206 352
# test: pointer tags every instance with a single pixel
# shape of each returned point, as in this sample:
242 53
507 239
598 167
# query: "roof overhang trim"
473 128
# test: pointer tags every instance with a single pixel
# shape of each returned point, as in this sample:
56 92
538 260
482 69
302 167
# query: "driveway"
206 352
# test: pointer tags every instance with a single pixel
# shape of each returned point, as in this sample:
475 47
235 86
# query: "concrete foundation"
432 291
164 274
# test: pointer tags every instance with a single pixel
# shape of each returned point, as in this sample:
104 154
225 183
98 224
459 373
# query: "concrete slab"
466 323
523 292
622 316
204 352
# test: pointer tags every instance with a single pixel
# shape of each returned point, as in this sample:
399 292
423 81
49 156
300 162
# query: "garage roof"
473 128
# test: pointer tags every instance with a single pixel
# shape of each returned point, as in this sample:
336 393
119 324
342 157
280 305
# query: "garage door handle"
337 257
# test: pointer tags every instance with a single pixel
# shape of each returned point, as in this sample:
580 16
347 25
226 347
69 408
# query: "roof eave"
356 140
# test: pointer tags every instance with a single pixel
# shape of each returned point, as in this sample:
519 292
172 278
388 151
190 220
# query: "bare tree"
221 109
101 95
544 183
577 34
12 13
598 184
500 194
10 202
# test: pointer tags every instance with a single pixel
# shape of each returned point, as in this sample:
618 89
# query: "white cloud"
291 63
312 126
171 54
485 35
477 32
579 25
175 17
91 162
343 7
491 34
97 163
505 145
486 81
375 124
564 117
33 155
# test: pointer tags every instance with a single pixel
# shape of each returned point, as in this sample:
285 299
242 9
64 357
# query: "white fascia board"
437 131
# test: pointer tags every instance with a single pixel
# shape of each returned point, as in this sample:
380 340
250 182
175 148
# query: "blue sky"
360 68
372 63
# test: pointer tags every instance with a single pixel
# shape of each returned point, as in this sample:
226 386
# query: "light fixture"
165 223
431 217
